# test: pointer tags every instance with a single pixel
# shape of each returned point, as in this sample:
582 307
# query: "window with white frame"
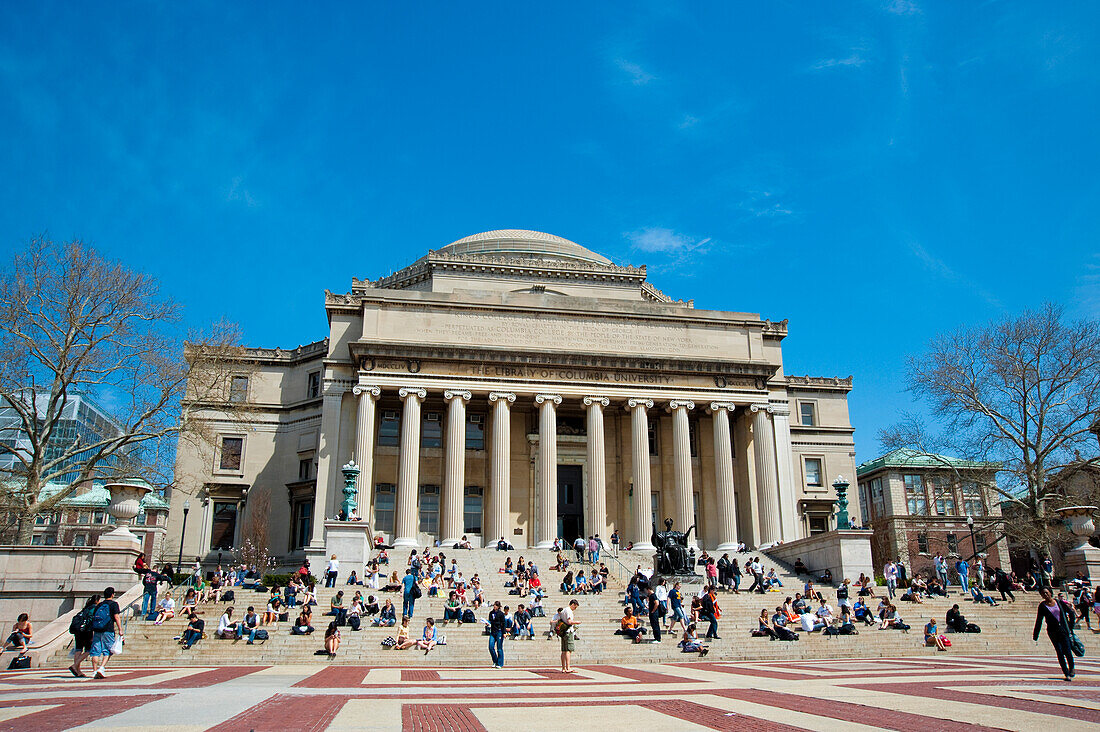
429 509
313 385
238 389
475 431
807 413
943 494
385 496
814 472
431 430
389 430
231 453
878 498
916 500
972 499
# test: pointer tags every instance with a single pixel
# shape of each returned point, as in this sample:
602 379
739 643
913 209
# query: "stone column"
500 472
642 504
364 450
454 469
408 471
596 490
788 519
767 488
328 464
683 511
546 526
723 473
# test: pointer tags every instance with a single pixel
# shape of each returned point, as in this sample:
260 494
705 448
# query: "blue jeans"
101 644
496 649
964 580
518 630
737 582
1065 655
148 602
251 634
407 602
712 631
891 586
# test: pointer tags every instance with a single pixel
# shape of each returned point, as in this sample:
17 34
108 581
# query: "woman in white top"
167 609
226 627
331 571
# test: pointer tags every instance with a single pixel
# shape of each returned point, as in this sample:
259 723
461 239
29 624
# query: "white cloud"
238 192
765 204
657 239
902 7
946 272
687 121
638 76
853 60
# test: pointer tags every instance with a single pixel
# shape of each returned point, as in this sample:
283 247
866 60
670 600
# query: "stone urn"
1079 520
126 495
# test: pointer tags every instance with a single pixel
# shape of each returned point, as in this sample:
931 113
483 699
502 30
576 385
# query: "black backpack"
415 592
82 621
468 616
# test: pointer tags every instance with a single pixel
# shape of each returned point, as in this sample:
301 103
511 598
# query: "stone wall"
844 553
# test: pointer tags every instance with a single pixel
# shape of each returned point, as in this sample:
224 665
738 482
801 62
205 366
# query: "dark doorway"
570 502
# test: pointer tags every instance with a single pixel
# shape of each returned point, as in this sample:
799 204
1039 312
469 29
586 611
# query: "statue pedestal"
683 579
350 541
1085 560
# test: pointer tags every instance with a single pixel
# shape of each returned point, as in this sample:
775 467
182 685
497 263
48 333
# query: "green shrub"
282 580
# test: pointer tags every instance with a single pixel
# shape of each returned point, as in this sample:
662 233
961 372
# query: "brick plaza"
944 693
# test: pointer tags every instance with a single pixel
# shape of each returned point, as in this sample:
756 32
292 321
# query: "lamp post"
183 532
973 541
841 486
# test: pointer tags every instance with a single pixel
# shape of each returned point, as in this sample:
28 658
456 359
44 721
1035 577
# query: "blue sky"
876 172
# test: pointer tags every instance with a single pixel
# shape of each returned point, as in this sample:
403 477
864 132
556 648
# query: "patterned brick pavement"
946 693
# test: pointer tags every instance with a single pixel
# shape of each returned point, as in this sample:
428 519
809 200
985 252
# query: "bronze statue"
673 554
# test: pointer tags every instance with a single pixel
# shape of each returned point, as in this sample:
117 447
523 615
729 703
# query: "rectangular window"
99 517
303 524
806 414
475 431
471 510
695 512
140 519
37 540
972 499
384 497
878 498
922 542
916 500
83 517
655 504
232 450
693 438
80 540
864 504
980 545
653 437
313 385
51 539
429 509
952 544
431 430
818 525
389 431
238 389
944 496
813 472
224 529
305 468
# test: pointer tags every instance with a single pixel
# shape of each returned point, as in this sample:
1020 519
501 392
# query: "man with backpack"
81 629
106 631
410 592
149 581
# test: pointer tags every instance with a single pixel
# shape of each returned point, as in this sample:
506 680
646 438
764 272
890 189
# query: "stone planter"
1084 557
126 495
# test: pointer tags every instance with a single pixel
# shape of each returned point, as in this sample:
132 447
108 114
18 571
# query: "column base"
403 541
727 547
448 543
548 544
644 546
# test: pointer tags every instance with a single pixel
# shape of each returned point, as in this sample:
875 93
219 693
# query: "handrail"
58 630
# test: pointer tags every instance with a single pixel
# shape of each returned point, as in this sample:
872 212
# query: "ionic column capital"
465 396
409 391
502 395
633 403
728 406
541 398
761 408
601 400
680 404
371 391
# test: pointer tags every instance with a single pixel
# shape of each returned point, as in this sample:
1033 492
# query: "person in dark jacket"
496 635
1061 619
707 613
654 614
1004 585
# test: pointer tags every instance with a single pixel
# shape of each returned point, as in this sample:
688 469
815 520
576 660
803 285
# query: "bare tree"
74 323
1022 392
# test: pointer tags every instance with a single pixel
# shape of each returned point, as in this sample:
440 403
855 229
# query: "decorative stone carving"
555 398
601 400
372 391
407 391
506 395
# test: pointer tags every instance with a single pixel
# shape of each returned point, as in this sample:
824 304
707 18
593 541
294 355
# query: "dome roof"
524 243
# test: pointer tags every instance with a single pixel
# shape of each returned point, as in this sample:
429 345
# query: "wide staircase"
1006 628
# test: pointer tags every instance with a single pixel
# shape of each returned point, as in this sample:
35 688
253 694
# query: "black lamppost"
183 531
973 541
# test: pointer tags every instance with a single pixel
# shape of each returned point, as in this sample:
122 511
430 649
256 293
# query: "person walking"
963 568
903 577
979 572
497 622
890 572
409 588
676 602
106 631
708 612
331 571
568 622
1060 619
1048 572
81 628
1004 585
615 542
655 609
